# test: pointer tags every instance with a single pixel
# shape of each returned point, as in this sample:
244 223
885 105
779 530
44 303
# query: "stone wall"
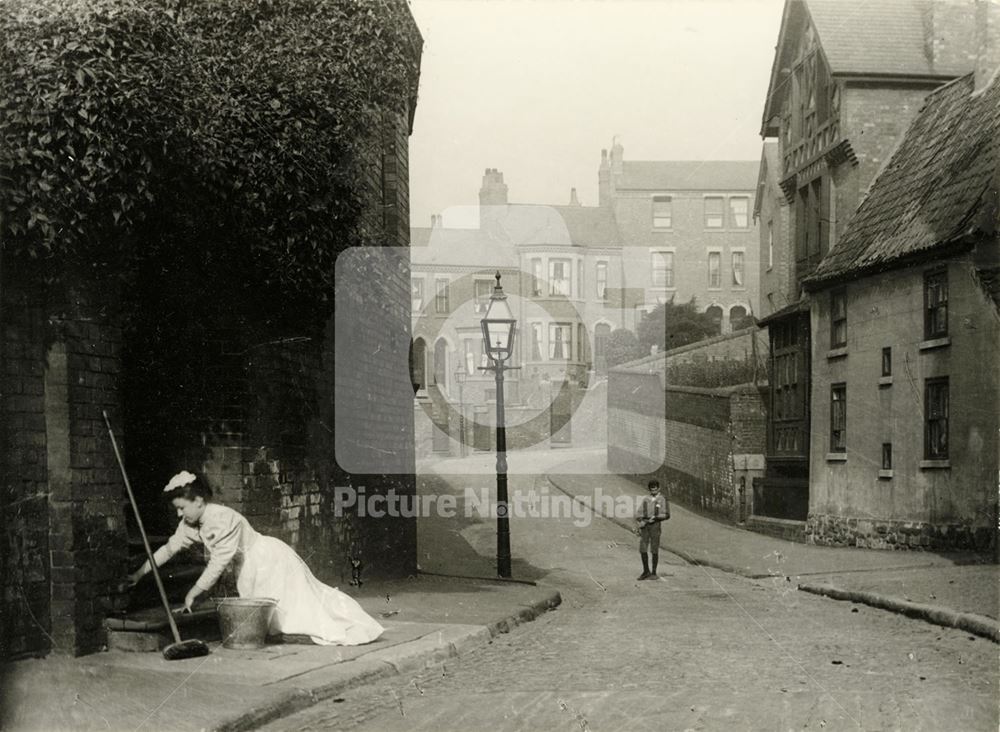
705 445
832 530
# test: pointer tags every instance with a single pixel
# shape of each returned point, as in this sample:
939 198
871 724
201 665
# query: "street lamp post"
498 339
460 380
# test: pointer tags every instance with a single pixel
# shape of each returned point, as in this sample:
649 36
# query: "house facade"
906 318
846 81
687 231
574 274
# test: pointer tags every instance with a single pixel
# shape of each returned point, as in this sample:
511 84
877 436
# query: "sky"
537 89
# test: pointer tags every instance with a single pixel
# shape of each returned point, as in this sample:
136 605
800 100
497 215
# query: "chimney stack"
987 42
604 181
492 199
573 200
494 190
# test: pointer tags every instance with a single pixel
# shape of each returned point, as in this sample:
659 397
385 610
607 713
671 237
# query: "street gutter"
970 622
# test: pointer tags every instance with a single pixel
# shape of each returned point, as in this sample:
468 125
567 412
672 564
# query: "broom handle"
142 531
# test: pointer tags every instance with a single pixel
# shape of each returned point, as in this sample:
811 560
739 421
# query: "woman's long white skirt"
306 606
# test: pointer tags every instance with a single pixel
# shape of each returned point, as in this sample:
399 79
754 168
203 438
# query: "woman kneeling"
264 567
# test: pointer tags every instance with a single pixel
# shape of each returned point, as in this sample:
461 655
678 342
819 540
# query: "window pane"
536 276
662 212
714 269
838 418
713 212
560 341
739 208
441 296
936 299
559 277
738 269
416 294
602 280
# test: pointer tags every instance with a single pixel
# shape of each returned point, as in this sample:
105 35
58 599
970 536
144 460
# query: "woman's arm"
181 539
221 535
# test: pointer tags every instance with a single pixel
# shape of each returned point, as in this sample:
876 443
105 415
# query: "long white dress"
268 567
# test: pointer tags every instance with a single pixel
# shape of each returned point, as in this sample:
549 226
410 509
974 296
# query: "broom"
178 649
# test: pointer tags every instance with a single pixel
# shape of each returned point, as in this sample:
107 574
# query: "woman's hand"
191 596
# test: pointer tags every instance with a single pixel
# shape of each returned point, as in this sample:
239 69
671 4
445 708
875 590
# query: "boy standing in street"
652 512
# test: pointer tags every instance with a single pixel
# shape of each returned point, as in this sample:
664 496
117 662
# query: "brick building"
847 79
906 317
575 273
250 404
687 231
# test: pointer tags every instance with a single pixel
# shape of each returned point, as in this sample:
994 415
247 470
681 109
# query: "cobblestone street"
699 649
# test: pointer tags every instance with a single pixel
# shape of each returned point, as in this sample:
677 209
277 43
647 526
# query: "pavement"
456 605
431 620
958 590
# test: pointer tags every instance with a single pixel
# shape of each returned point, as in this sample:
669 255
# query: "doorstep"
147 630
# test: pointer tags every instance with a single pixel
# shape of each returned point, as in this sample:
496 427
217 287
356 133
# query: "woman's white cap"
180 480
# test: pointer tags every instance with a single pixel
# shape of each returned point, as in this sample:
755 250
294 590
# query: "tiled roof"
939 185
881 38
459 247
888 37
586 226
689 175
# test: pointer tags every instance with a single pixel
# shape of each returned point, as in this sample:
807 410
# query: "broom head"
185 649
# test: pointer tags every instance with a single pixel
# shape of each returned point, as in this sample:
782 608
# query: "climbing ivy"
217 133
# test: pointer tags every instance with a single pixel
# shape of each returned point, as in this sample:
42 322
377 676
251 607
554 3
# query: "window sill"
838 352
836 457
935 464
935 343
885 475
885 381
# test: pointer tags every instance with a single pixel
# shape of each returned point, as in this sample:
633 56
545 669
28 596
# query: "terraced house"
662 230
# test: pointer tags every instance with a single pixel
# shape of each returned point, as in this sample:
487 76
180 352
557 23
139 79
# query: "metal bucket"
244 621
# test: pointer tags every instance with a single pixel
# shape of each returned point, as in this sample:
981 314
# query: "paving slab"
430 619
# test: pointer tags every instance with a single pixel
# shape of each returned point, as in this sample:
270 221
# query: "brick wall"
256 411
87 539
874 118
24 555
698 442
63 503
689 239
732 358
